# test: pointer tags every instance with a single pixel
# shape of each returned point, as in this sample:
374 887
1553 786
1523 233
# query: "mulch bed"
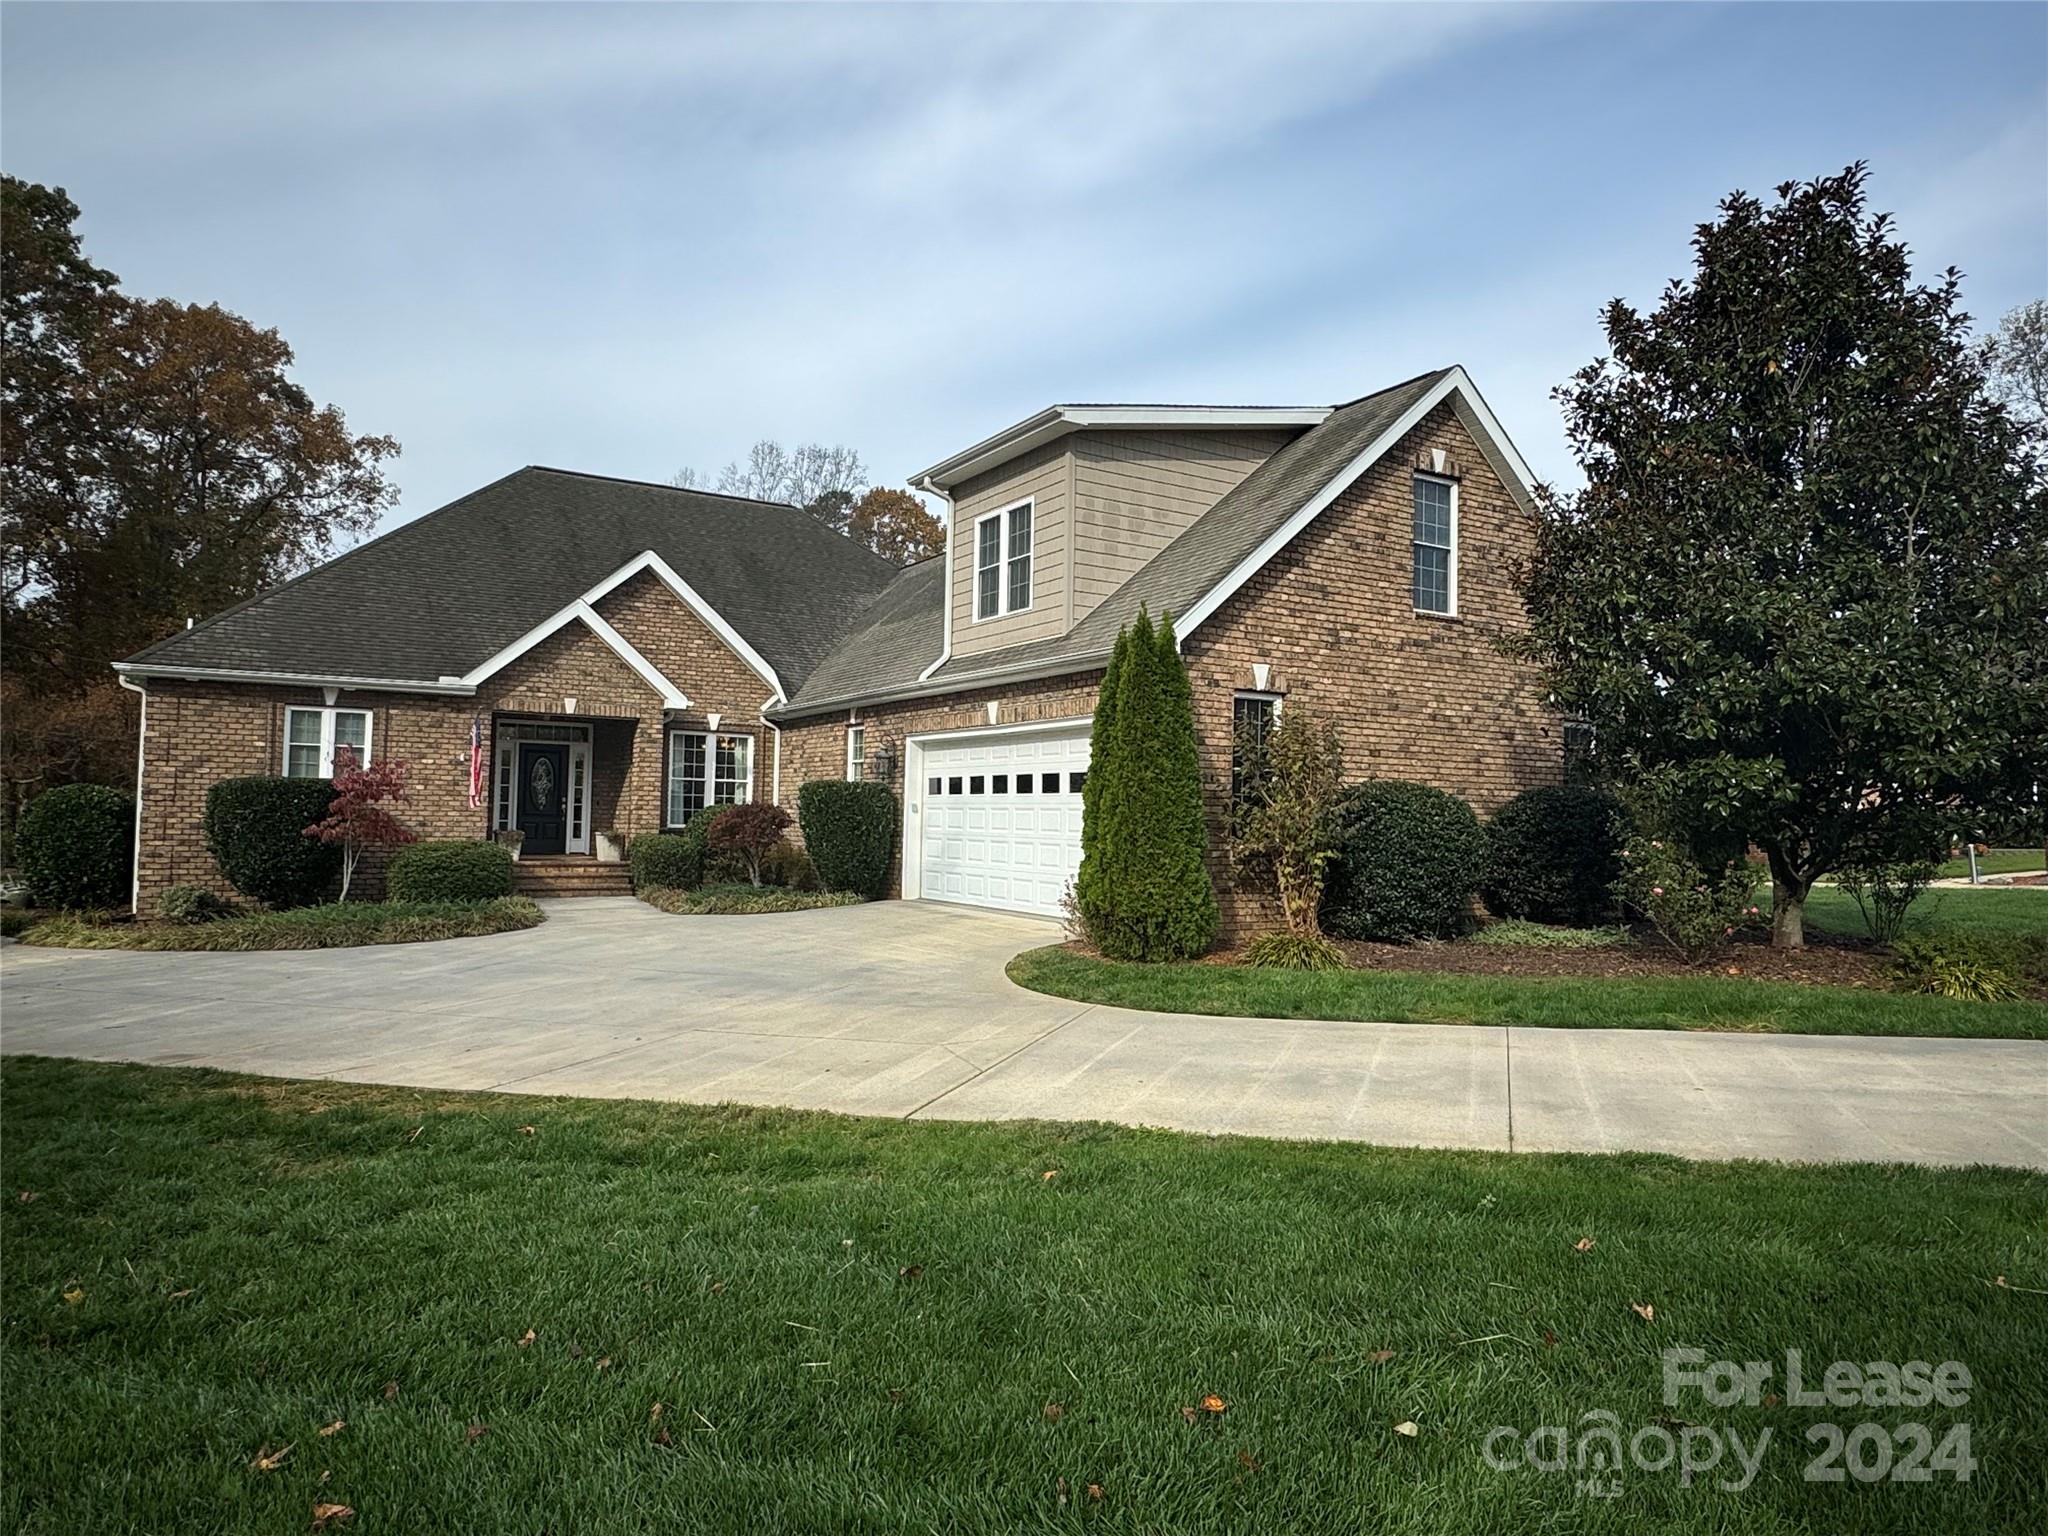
1827 960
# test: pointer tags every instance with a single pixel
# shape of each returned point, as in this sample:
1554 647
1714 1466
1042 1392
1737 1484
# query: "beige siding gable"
1044 476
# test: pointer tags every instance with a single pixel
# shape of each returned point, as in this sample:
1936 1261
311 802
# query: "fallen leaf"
895 1394
1550 1338
1053 1411
1246 1460
604 1362
1382 1356
1645 1310
910 1272
1213 1404
1584 1245
527 1130
717 1287
1407 1427
662 1436
1771 1399
1049 1175
1188 1413
268 1460
73 1297
474 1433
527 1338
1095 1492
654 1413
325 1515
180 1295
2000 1282
27 1195
390 1391
333 1429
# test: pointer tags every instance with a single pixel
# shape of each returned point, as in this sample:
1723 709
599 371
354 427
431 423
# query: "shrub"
1951 965
744 900
336 925
1885 893
791 869
356 819
76 844
1144 888
1693 910
1519 933
193 904
1293 949
1280 827
715 866
256 832
748 833
671 860
1407 859
850 831
15 921
1553 855
459 869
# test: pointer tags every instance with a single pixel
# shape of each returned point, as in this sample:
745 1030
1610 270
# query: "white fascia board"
1057 421
581 612
713 619
448 685
1457 381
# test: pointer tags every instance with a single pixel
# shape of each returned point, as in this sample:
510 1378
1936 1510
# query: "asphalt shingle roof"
1173 581
442 594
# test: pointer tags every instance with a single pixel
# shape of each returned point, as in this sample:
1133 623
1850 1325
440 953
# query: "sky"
630 238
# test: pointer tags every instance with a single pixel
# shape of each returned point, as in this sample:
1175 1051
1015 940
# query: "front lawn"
337 925
1998 861
1603 1002
1978 912
465 1312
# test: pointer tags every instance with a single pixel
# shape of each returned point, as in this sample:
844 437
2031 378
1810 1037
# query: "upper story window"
1002 562
856 752
311 737
1436 545
1252 718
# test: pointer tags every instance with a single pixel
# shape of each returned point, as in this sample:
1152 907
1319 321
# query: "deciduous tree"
896 526
1804 593
359 817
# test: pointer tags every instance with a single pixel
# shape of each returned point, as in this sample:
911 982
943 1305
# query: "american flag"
476 762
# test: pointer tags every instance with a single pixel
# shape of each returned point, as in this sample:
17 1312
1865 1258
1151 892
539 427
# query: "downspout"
946 603
775 770
141 748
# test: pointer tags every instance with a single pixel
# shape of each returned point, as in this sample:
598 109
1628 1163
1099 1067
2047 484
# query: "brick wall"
200 733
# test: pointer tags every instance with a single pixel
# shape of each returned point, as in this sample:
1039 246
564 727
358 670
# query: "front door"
544 797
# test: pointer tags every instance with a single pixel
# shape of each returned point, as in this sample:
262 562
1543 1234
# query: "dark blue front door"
544 798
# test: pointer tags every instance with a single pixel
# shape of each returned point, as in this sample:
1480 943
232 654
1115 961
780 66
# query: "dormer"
1051 515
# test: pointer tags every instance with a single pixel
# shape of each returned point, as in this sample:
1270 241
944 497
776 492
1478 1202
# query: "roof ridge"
663 485
1427 373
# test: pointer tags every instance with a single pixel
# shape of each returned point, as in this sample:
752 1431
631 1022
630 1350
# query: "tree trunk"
1788 911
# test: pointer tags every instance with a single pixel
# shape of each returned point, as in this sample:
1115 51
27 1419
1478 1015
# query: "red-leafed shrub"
749 833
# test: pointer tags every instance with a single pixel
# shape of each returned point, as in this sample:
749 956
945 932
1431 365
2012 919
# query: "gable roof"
1195 573
1058 420
436 599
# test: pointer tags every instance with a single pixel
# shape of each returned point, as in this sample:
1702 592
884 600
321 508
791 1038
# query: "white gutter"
1021 672
451 685
946 594
141 748
775 772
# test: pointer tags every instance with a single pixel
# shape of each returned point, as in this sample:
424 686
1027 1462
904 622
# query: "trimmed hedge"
1407 859
1553 855
256 832
193 904
76 844
850 833
671 860
459 869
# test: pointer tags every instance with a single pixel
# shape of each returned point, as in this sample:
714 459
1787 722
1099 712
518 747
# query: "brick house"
627 654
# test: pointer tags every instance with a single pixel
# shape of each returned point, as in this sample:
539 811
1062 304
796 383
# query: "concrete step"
570 877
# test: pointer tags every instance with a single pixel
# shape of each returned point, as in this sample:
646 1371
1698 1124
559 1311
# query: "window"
312 735
937 786
1436 545
1023 783
1252 716
1049 782
856 752
974 784
1002 562
953 785
1578 752
1076 781
1001 786
707 770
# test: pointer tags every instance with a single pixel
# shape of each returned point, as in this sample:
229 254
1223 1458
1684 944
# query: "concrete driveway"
902 1009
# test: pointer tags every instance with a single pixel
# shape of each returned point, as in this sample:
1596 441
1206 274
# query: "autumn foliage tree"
1803 594
359 817
896 526
749 833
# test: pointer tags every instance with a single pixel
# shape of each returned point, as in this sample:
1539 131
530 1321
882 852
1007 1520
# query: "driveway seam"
1507 1048
1000 1061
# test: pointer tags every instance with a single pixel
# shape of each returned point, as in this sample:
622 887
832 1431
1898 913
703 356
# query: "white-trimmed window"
856 753
312 735
1252 718
1436 545
704 769
1002 561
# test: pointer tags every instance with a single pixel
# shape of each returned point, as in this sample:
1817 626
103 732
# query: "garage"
997 816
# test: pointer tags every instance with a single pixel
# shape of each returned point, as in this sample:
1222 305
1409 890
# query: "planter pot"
611 848
510 841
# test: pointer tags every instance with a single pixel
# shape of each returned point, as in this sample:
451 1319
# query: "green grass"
1979 913
742 900
859 1324
1999 861
1605 1002
338 925
1520 933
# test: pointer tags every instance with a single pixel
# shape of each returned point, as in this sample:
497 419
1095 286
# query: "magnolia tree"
1804 593
357 818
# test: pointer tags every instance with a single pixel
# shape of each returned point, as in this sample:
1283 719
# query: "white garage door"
1001 818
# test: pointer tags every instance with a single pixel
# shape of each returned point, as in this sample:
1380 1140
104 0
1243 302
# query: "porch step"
570 877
